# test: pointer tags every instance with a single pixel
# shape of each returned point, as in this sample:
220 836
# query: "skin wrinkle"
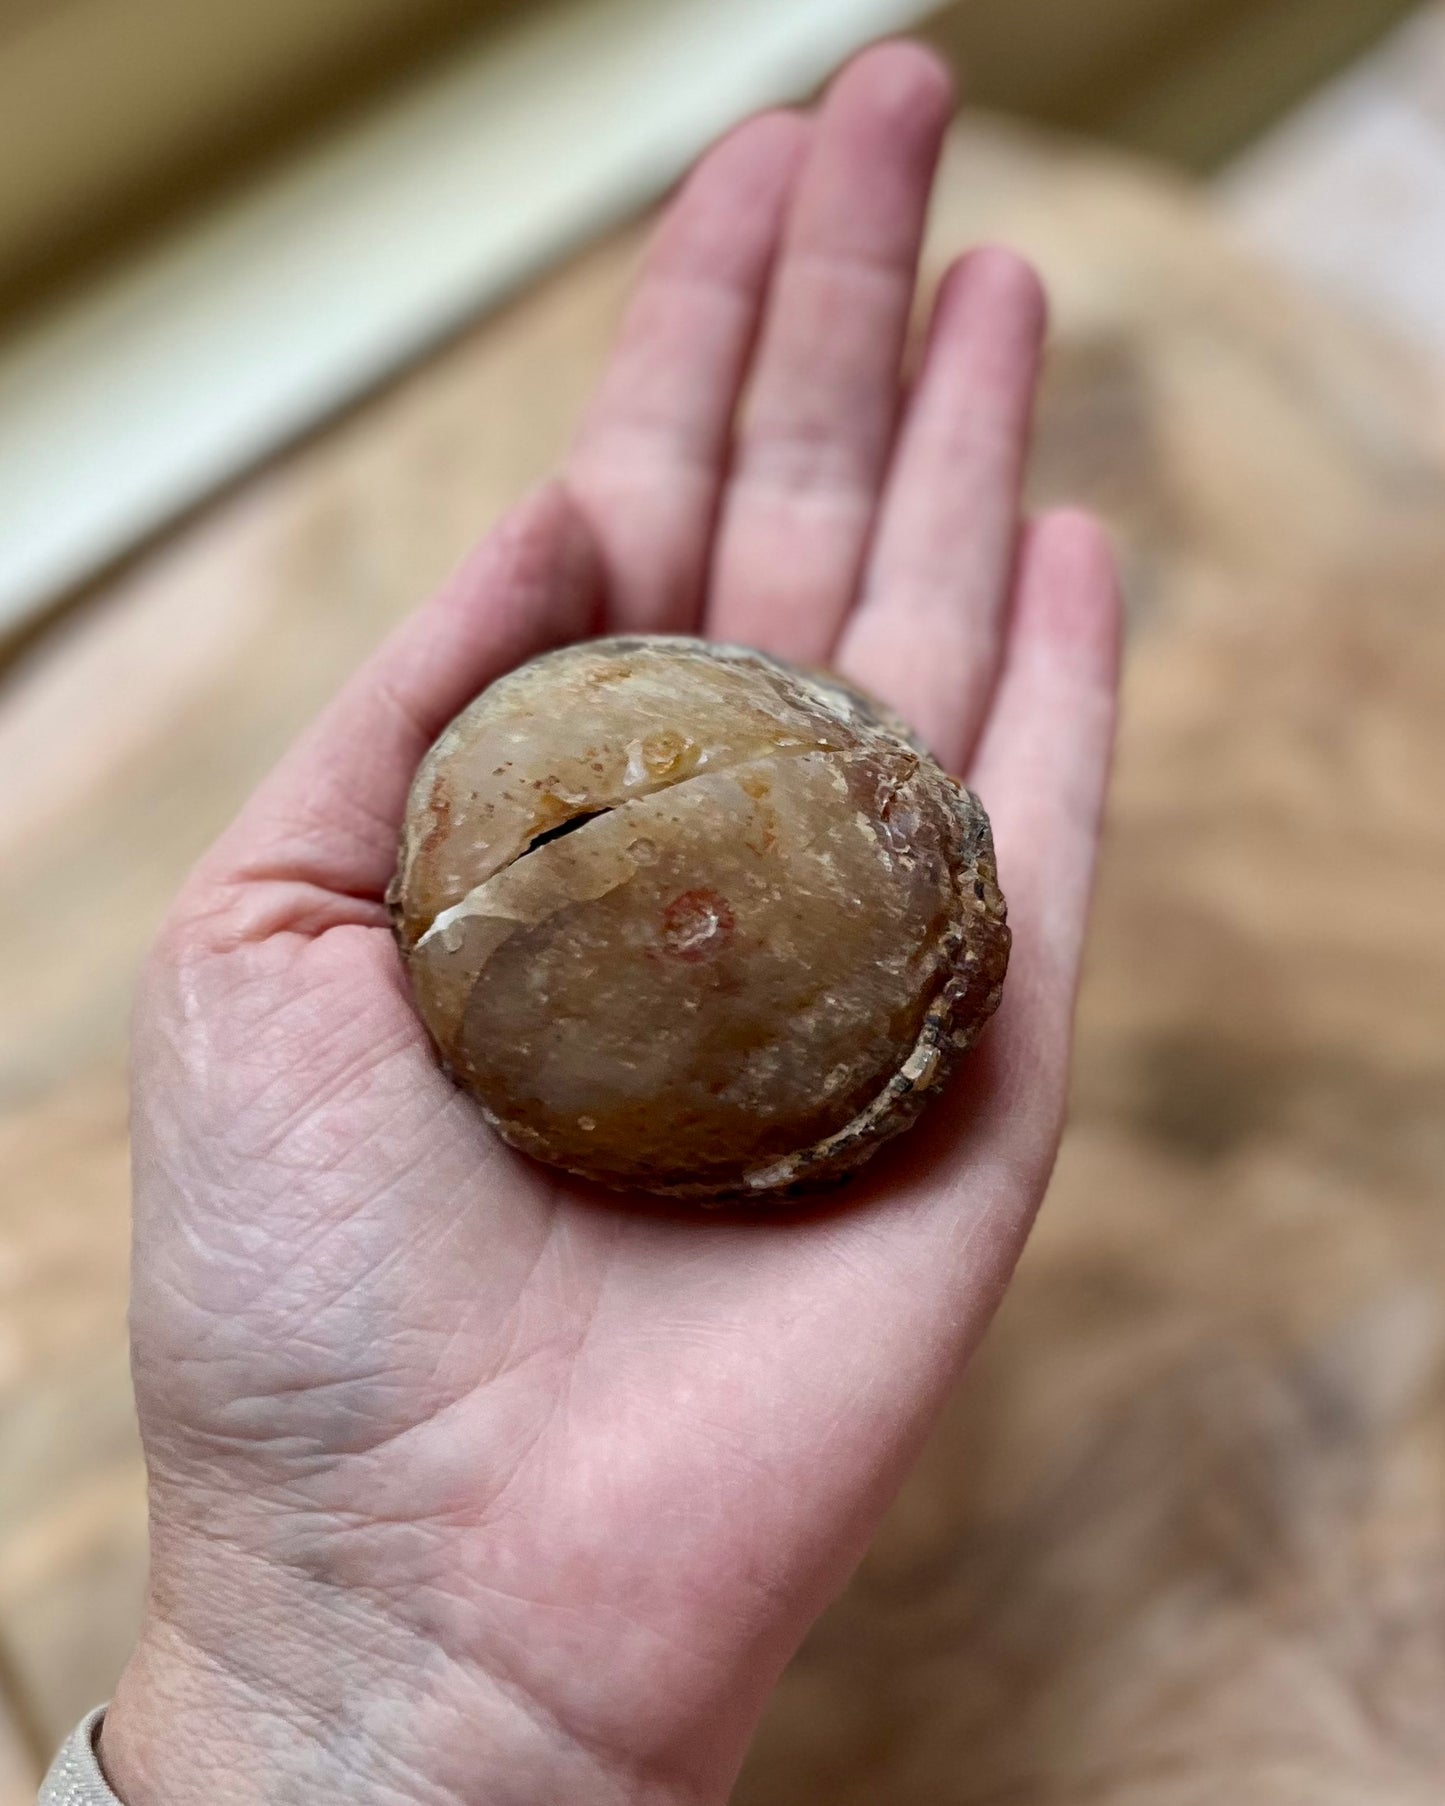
299 1129
250 912
509 1361
645 420
803 495
320 1442
250 1302
559 1408
414 724
355 1285
300 907
332 1400
301 1117
633 1768
321 1721
337 805
508 1365
234 980
826 277
640 452
508 1686
669 273
395 1437
323 1231
525 1642
803 463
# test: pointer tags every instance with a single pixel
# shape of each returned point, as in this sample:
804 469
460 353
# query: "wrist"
251 1688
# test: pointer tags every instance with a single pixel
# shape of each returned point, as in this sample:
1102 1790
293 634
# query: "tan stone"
685 919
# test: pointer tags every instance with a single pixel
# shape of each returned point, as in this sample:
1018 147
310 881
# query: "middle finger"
814 440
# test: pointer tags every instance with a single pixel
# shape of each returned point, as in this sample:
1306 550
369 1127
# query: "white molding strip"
139 398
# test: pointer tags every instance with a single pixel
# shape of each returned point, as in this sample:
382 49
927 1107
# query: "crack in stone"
584 818
570 826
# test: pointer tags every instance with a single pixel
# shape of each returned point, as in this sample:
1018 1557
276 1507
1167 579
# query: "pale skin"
468 1485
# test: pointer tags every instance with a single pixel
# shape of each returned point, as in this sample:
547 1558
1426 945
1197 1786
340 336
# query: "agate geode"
683 918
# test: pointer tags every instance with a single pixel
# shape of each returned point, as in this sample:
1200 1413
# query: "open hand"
467 1484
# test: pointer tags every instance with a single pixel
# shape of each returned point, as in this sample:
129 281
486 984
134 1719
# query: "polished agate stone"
685 919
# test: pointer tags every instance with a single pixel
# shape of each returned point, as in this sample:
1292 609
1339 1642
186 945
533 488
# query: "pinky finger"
1042 767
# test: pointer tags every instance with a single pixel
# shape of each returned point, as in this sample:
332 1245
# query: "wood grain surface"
1182 1535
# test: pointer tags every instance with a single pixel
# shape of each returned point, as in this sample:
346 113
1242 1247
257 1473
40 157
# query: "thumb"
328 817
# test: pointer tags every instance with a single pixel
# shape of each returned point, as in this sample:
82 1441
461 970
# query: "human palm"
467 1482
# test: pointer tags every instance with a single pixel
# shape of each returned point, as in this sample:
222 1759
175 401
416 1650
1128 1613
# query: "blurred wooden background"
1182 1535
181 102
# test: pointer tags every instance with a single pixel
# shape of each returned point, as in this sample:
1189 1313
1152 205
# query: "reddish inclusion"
696 925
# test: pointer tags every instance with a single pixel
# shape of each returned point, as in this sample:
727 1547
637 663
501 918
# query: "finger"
928 629
649 460
327 818
1042 769
816 429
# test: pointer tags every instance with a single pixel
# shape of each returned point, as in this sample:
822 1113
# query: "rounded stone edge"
953 1024
955 1020
978 961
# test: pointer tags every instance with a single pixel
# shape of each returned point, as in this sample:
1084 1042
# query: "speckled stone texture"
687 920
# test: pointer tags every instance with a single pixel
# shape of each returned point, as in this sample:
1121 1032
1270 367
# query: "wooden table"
1182 1535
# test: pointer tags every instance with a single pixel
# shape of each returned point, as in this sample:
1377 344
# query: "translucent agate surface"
685 919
